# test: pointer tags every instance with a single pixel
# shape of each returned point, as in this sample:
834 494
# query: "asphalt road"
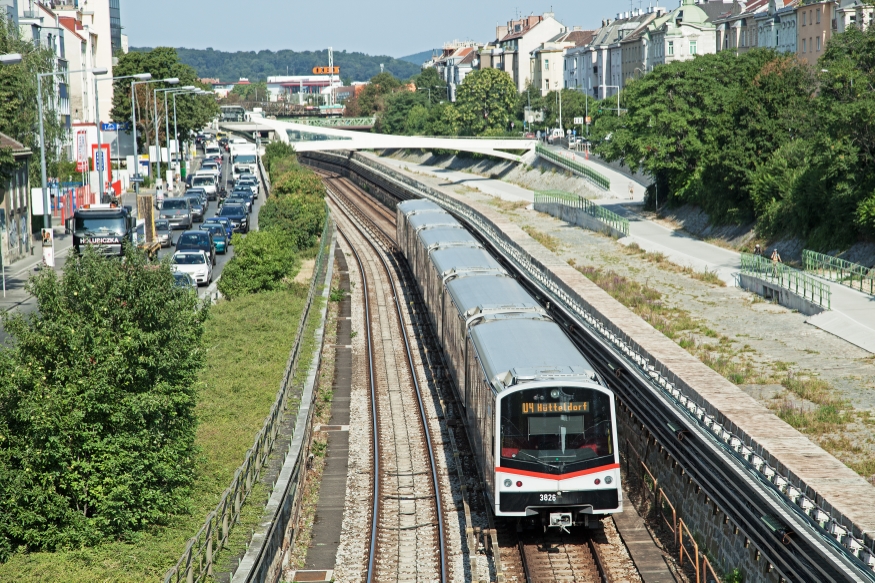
18 300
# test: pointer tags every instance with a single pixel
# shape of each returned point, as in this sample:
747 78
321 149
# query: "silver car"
178 212
164 232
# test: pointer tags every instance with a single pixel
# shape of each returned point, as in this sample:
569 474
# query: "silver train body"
541 421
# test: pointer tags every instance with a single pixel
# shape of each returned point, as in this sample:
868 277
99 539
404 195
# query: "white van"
206 179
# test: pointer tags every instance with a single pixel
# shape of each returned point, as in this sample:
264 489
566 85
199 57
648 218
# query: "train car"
405 210
450 263
544 423
432 239
470 297
422 222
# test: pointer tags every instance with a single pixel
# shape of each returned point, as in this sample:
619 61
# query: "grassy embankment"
249 341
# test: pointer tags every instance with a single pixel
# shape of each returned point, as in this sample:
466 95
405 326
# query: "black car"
205 196
236 198
199 241
198 208
238 216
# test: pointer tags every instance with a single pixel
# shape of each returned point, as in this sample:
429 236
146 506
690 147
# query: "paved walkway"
620 183
852 317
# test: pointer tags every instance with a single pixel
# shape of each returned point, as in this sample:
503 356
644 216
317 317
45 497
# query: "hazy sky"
379 27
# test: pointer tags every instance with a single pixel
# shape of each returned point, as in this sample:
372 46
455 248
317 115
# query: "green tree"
19 114
263 260
444 120
193 112
251 92
97 403
372 99
485 100
431 85
398 106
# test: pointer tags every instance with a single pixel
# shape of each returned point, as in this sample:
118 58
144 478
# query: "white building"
515 42
296 87
685 33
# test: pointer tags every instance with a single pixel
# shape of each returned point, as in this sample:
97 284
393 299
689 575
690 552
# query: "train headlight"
519 484
597 481
507 483
608 479
554 393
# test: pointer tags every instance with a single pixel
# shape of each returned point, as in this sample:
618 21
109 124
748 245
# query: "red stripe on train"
557 476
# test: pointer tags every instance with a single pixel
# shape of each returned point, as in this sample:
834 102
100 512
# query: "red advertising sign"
81 151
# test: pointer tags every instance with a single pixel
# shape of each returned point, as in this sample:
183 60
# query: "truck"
244 158
107 226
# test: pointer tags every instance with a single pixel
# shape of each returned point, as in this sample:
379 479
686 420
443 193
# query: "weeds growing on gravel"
661 259
548 241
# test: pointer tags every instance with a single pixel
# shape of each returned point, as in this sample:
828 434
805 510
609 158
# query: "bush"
263 261
97 403
299 217
297 180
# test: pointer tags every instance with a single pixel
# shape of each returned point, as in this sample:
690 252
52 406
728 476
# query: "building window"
803 19
670 48
546 64
818 44
818 16
692 47
803 45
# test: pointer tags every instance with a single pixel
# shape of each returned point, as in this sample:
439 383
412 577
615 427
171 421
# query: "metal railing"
609 218
197 560
585 171
338 122
682 396
853 275
798 282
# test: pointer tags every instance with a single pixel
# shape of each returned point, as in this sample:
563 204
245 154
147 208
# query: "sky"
377 27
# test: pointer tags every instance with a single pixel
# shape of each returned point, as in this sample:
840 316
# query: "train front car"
556 458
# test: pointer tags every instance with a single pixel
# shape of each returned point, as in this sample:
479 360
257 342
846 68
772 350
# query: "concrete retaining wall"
779 294
577 217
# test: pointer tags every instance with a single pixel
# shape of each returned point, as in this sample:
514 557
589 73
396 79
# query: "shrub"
263 261
299 217
97 400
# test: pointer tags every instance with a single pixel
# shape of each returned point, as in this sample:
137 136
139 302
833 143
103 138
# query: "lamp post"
188 89
617 87
47 216
169 81
155 93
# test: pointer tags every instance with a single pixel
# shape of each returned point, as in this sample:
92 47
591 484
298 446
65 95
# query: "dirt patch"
306 274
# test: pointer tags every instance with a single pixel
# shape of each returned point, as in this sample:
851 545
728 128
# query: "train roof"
461 259
515 350
417 205
446 235
484 292
430 220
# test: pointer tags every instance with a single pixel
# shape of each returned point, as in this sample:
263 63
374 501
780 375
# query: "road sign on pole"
578 121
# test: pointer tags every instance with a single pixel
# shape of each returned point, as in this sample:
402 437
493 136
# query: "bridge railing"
338 122
853 275
569 164
197 560
609 218
798 282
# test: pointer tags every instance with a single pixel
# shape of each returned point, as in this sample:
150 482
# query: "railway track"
407 527
520 557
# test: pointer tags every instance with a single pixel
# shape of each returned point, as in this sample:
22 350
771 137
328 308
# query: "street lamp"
169 81
188 89
137 77
42 135
155 93
10 59
617 87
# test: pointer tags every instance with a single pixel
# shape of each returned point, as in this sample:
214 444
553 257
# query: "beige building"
548 65
515 42
814 23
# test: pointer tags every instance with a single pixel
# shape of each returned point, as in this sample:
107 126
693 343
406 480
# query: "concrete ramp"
845 328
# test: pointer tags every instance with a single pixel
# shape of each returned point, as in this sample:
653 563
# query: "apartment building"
688 30
815 28
850 13
548 65
512 49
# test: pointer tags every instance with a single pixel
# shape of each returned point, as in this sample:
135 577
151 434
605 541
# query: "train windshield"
556 430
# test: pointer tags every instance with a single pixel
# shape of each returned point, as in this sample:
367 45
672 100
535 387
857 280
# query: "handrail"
853 275
575 166
610 218
196 562
786 277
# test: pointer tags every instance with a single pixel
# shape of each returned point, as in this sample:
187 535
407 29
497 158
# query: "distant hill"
417 59
258 66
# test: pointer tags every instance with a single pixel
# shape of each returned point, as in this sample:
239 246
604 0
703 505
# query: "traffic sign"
578 121
589 120
326 70
137 178
115 126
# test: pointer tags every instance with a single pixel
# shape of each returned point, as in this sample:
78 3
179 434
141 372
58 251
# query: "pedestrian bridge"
309 138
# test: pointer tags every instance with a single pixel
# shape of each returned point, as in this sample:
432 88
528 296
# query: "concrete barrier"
579 217
779 294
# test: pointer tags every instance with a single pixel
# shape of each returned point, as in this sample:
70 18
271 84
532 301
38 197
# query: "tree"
398 106
574 104
486 100
19 114
431 85
251 92
97 403
193 112
263 261
372 99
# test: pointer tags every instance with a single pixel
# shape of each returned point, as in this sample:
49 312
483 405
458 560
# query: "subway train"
541 421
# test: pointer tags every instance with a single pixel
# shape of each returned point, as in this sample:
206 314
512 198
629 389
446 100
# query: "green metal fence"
574 166
610 218
853 275
798 282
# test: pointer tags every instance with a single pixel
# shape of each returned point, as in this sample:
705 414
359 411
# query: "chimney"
500 32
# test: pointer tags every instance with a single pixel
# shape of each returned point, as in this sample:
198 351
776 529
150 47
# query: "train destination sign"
326 70
570 407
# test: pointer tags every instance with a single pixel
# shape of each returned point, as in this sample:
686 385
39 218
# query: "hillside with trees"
258 66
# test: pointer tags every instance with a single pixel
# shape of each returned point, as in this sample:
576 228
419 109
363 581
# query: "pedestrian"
631 192
776 257
758 251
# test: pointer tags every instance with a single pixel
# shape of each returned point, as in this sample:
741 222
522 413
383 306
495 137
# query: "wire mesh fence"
853 275
798 282
569 164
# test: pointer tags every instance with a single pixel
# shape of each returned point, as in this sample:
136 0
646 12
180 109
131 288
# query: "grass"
248 344
548 241
507 205
662 260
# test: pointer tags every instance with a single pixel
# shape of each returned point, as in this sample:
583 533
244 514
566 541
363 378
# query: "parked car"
220 237
226 224
194 263
178 211
238 216
202 240
164 232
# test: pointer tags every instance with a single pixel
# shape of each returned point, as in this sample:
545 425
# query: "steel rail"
376 442
422 414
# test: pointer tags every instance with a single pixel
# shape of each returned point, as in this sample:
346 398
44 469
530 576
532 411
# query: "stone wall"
576 216
779 294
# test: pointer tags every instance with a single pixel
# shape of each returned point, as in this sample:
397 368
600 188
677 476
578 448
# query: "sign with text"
115 126
326 70
102 163
567 407
578 121
48 247
81 151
